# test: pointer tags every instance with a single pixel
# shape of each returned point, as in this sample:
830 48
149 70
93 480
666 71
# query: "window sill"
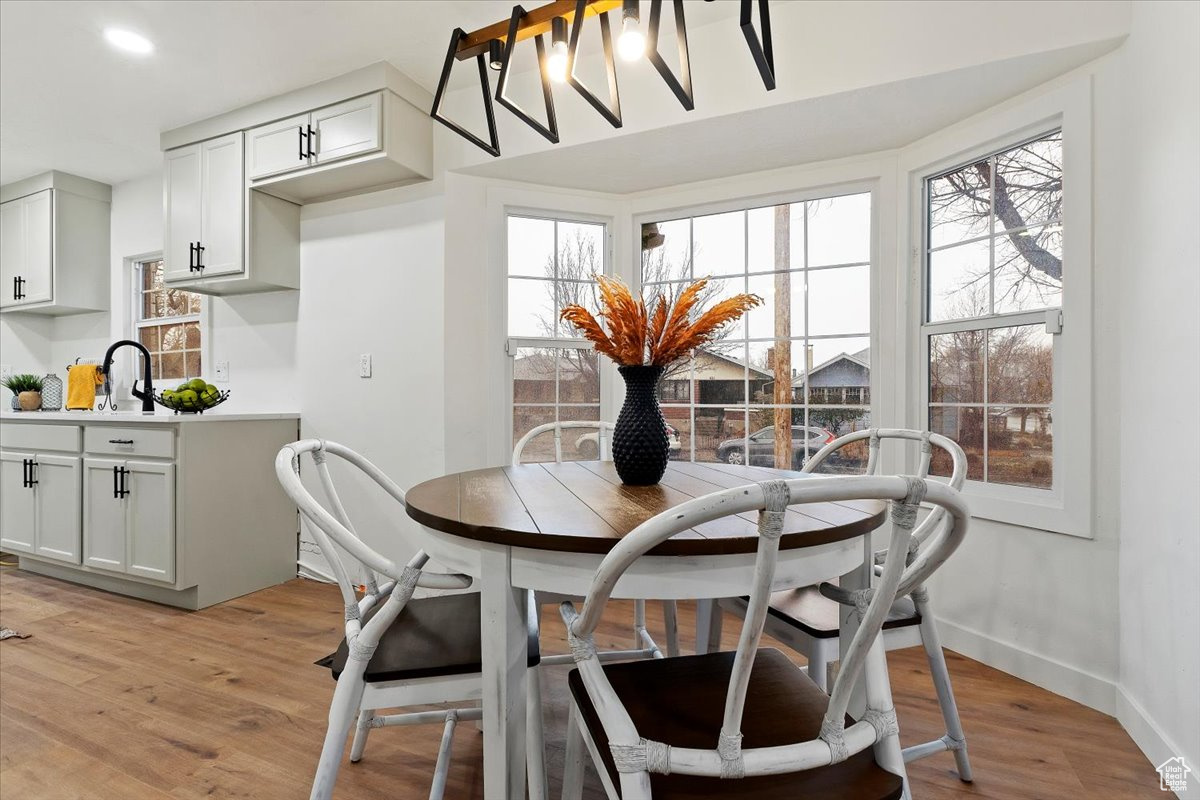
1038 509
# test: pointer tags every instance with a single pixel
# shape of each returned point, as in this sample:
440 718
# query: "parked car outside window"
806 440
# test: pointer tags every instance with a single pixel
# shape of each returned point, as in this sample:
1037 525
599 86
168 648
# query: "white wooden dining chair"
644 645
749 723
808 621
398 651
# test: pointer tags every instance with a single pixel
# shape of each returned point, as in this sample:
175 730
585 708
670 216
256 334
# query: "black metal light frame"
611 110
550 129
493 145
681 86
764 56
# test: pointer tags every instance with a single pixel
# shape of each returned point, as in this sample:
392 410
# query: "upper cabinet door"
223 189
12 250
181 211
17 516
278 147
38 272
57 492
348 129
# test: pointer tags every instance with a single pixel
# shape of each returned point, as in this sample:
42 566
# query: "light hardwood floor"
117 698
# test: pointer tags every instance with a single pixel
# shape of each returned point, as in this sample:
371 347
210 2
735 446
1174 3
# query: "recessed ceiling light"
128 41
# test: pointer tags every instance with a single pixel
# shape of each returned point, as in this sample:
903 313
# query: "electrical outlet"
222 372
364 365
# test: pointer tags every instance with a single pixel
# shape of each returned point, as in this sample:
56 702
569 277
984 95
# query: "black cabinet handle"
25 473
116 491
311 136
191 256
303 148
122 473
33 473
120 441
16 288
199 256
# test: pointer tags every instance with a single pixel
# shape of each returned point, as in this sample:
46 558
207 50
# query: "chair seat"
815 614
432 636
680 701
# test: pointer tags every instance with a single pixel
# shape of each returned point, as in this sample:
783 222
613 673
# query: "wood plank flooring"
118 698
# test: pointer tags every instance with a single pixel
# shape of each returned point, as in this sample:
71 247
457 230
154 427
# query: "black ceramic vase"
639 443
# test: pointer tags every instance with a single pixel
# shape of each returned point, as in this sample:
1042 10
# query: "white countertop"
138 417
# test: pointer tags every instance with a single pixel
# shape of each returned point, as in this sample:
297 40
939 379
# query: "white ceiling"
865 120
69 101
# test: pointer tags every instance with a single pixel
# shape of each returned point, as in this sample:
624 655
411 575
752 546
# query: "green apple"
197 384
187 398
210 395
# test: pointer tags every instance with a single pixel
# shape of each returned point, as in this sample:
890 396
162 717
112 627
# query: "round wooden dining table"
548 526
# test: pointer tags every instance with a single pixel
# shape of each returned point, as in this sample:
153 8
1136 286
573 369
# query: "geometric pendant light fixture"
493 145
681 86
550 128
494 45
761 50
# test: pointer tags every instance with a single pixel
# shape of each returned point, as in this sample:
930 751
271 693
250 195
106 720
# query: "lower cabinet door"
17 514
57 496
150 523
104 513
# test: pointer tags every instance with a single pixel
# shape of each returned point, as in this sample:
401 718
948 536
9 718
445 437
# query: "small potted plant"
643 344
27 391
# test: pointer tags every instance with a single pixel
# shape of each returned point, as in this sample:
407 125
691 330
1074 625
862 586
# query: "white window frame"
808 190
1066 507
136 323
512 344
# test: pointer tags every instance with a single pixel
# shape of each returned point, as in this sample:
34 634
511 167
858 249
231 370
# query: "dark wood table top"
583 507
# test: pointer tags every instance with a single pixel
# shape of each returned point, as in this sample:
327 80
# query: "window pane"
666 251
719 244
959 205
840 362
579 378
530 307
191 333
1020 365
173 366
533 375
781 314
194 304
720 432
676 383
525 419
531 247
1020 447
580 250
956 367
1029 183
174 337
839 230
963 424
149 337
720 375
680 421
765 226
958 281
1029 269
839 301
192 363
765 357
582 444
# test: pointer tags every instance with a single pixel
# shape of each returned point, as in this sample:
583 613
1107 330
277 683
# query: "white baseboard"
1083 687
1156 745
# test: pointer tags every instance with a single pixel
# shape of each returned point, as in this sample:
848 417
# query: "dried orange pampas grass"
637 337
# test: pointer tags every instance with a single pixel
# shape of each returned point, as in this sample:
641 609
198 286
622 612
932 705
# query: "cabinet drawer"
154 442
36 436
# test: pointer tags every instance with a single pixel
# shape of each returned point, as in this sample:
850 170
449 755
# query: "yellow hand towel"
82 380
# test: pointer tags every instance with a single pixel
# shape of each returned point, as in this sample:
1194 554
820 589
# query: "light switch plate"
364 365
222 372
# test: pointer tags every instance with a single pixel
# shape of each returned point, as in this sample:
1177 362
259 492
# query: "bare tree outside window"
167 322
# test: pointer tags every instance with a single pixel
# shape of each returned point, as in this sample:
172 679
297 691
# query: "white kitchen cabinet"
56 495
173 509
347 129
278 147
39 513
54 234
203 195
17 508
182 196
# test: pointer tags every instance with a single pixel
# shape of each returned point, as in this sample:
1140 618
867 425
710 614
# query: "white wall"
1159 431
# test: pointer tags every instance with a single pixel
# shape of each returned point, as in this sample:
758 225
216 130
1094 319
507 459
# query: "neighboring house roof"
540 367
861 358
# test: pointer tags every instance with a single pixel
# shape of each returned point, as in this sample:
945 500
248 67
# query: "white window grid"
141 322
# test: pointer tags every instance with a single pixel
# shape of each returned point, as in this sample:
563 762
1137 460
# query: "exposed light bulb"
556 63
128 41
631 44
